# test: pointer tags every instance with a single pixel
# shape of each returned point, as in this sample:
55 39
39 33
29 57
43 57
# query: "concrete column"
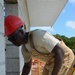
23 13
2 40
12 52
11 9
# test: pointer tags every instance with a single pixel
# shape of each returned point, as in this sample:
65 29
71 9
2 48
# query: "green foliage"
70 42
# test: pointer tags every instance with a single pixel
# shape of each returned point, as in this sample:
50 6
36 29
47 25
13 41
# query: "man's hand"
26 68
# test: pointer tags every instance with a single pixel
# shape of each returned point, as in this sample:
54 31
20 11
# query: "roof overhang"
44 12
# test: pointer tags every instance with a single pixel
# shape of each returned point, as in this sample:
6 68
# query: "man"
39 44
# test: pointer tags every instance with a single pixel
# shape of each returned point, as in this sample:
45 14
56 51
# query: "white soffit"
44 12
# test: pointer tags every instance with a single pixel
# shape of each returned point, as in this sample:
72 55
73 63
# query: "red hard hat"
12 23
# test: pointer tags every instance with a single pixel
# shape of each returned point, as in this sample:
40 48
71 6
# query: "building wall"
2 40
11 9
12 52
14 59
23 13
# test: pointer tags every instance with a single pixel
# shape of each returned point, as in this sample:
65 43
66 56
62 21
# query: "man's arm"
59 57
26 68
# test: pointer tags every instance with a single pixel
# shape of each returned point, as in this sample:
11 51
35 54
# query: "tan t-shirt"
44 42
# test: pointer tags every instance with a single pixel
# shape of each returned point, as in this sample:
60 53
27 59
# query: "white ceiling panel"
44 12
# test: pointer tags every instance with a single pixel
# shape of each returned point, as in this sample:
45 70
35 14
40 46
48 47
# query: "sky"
65 24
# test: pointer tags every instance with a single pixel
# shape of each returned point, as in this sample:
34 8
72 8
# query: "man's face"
17 38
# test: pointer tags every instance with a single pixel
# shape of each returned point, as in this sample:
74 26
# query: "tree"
70 42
